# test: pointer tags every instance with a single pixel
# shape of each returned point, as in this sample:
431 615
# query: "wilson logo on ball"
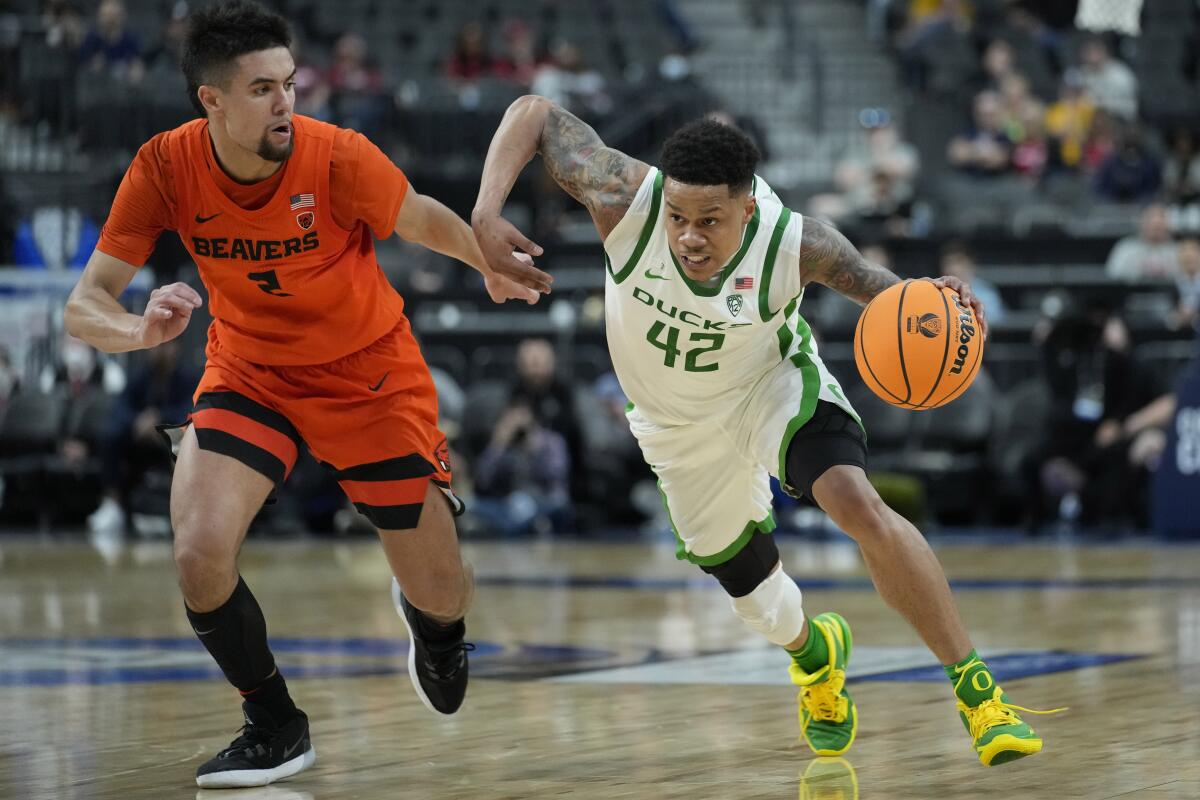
928 325
966 332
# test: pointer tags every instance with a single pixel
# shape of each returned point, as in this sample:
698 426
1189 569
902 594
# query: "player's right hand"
499 240
167 314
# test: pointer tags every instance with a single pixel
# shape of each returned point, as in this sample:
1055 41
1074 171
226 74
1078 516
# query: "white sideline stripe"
765 666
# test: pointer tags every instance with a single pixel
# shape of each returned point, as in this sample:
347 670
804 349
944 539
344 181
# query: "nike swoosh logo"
203 633
377 386
202 220
654 277
292 749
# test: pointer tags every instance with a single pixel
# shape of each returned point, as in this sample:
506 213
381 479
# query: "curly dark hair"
709 153
220 33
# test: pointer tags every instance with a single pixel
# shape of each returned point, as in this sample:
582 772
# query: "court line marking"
828 584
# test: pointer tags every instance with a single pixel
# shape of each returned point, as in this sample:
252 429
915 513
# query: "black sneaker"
264 752
437 664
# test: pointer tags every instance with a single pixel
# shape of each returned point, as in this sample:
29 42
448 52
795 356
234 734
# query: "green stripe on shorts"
763 526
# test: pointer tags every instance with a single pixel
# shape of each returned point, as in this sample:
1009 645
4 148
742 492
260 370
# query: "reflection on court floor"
602 671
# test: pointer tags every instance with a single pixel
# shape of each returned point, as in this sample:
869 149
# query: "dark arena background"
1046 152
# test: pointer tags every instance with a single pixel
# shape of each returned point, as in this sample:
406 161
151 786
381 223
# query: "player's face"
256 109
705 225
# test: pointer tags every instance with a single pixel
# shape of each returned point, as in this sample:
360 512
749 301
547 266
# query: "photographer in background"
522 479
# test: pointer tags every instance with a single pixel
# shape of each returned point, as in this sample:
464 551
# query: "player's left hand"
968 297
501 288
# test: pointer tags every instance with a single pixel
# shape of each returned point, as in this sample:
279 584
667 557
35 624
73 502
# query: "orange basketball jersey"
288 285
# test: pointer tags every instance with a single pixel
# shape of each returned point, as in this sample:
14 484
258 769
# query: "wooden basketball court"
603 671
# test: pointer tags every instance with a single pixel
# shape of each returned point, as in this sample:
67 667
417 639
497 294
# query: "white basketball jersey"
685 351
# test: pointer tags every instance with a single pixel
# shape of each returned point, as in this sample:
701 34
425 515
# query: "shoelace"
252 741
444 663
824 700
991 713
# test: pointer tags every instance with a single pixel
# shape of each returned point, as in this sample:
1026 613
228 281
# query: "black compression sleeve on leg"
236 636
830 438
741 575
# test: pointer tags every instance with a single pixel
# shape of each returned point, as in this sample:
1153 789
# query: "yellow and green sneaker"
829 779
998 734
828 718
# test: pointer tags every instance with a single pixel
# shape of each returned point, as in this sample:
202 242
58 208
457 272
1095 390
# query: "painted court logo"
928 325
734 301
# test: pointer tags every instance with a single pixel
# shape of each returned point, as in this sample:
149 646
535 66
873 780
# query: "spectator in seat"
518 62
356 87
998 64
1035 154
885 210
470 60
1017 101
110 46
857 177
1102 141
159 390
1131 173
1069 119
1082 471
568 81
165 55
1187 284
522 478
550 400
1110 83
984 150
1181 173
1150 254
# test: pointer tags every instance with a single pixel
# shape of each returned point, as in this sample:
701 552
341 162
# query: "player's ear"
748 211
209 97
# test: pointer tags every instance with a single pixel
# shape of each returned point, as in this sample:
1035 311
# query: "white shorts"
715 475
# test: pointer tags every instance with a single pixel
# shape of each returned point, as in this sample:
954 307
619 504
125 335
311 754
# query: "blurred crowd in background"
1045 151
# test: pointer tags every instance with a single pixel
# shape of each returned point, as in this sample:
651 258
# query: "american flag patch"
303 201
743 283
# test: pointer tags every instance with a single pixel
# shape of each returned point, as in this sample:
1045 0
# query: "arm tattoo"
827 257
603 179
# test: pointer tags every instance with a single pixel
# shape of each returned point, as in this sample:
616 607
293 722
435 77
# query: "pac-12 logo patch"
306 219
734 301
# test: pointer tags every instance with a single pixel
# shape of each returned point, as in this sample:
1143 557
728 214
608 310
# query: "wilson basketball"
918 346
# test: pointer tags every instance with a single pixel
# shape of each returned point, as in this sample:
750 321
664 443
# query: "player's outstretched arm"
424 220
604 180
827 257
94 314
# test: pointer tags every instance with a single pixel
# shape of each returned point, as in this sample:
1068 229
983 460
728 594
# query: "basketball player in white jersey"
705 273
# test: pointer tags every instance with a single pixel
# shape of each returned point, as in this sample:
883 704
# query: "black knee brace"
741 575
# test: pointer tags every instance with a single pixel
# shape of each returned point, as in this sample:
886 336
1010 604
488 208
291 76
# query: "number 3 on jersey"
269 282
671 351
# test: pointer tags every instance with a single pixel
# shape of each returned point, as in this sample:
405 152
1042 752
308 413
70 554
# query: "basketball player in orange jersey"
705 272
309 347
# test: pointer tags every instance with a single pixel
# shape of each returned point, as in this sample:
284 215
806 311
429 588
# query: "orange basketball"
918 346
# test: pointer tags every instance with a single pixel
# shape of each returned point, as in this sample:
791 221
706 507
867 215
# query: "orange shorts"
370 416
